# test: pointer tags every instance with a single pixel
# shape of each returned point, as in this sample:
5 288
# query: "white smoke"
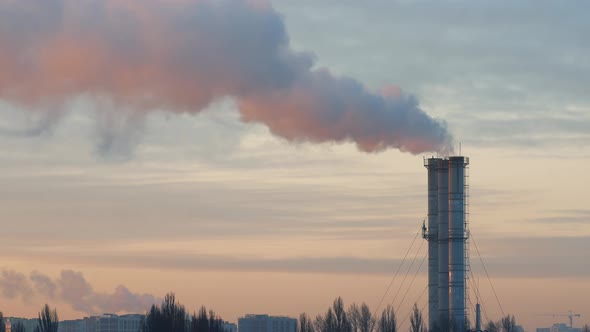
72 288
180 56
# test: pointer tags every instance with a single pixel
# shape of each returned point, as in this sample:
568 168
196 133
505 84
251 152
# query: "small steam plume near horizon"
180 56
74 290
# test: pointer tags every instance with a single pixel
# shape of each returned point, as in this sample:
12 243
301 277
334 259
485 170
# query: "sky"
261 157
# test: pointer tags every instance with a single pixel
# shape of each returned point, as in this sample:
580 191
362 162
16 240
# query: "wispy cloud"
579 217
540 257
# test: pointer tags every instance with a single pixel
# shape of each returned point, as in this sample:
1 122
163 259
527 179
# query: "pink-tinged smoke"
182 55
72 288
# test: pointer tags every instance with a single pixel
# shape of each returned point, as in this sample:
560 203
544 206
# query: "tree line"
361 319
172 316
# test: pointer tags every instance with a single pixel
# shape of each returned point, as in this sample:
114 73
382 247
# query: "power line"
408 272
413 278
396 273
418 300
488 276
474 286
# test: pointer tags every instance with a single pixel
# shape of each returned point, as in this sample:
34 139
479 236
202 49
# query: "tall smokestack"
443 242
447 235
457 241
431 235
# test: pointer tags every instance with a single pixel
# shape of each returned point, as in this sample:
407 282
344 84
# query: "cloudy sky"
266 158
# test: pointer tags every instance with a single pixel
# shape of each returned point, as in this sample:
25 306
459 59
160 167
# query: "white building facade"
104 323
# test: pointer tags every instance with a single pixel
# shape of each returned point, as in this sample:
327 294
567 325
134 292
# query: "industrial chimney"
447 235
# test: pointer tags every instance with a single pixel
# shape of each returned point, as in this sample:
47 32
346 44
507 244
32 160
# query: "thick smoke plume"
73 289
182 55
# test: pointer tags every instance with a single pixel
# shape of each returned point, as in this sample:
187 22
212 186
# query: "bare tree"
337 319
508 324
48 320
366 321
586 328
417 323
200 321
170 317
354 316
360 318
387 322
326 323
206 322
2 324
492 326
305 323
342 322
319 323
